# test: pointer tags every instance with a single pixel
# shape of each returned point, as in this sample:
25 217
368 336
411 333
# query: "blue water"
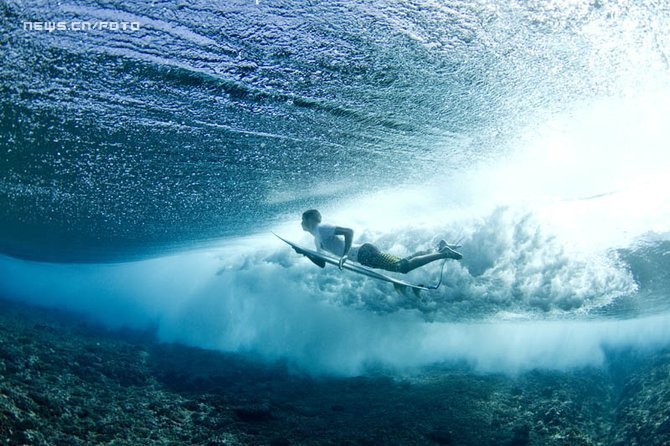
141 173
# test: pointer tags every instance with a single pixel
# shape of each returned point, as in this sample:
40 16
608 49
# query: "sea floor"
68 382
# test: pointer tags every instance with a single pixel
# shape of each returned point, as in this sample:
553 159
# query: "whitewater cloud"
270 302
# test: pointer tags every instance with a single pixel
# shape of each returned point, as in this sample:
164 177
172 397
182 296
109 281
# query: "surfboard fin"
402 290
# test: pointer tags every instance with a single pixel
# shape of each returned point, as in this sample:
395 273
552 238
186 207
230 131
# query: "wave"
118 144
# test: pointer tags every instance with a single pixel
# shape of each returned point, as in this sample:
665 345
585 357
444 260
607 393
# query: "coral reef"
64 381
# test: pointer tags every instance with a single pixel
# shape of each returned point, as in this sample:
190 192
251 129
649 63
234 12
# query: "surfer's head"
310 219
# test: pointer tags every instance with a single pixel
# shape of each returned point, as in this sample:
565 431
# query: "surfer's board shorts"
369 255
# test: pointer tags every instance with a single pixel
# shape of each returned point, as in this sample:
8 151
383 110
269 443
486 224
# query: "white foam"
271 302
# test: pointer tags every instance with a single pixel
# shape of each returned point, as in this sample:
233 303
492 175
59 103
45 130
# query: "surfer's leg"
369 255
416 261
420 253
441 247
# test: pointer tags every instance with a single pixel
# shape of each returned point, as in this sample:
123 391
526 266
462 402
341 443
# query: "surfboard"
357 268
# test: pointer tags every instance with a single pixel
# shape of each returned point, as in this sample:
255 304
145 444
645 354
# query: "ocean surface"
142 171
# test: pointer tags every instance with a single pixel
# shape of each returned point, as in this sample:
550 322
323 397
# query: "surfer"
338 240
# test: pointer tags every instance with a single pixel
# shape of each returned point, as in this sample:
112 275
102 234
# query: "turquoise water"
142 170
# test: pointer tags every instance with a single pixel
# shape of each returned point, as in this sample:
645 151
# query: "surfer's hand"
342 260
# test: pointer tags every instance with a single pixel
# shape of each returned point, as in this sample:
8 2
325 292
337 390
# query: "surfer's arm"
348 235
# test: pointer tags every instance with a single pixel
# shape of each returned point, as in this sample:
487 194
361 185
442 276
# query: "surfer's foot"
443 243
448 251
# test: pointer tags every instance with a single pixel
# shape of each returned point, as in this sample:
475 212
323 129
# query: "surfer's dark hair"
312 214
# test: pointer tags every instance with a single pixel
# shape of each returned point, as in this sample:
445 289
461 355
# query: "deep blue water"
141 172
